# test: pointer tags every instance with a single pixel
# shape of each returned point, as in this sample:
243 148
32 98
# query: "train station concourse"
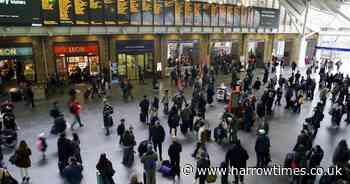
174 91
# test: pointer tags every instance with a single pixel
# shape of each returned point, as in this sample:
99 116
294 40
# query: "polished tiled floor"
284 128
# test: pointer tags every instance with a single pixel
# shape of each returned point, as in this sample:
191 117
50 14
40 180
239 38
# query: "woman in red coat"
75 107
23 159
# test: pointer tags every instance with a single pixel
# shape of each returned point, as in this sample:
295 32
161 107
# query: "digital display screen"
20 12
169 6
123 12
214 15
206 14
158 12
147 10
110 12
135 12
81 10
229 19
96 12
66 11
197 14
49 12
179 12
188 13
237 16
222 15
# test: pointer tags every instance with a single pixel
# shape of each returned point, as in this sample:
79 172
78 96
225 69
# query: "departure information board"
135 12
81 11
147 11
123 12
197 14
169 6
214 15
158 12
206 14
66 11
96 11
222 15
179 12
49 12
229 19
188 13
110 12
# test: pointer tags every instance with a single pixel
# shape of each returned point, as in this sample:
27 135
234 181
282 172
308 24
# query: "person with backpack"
107 116
174 153
75 108
149 160
121 130
158 137
73 172
173 121
128 150
105 169
237 157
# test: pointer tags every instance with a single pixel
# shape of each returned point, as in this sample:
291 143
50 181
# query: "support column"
302 39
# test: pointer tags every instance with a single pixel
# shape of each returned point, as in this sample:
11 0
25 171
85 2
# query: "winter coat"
23 158
144 105
341 155
65 149
73 173
237 156
173 120
262 144
149 161
128 139
121 129
55 112
157 134
75 107
202 164
186 115
174 150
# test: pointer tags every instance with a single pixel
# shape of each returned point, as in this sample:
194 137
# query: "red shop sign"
75 49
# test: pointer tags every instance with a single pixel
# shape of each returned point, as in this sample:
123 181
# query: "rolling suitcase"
165 169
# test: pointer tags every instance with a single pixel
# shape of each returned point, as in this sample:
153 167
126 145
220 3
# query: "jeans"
76 120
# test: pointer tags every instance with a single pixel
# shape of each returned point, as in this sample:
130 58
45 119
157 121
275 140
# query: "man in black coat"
237 157
202 106
157 135
174 154
186 117
144 105
173 121
202 164
107 118
262 149
65 150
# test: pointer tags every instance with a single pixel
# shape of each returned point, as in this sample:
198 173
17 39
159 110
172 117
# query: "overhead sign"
20 12
269 17
135 46
16 51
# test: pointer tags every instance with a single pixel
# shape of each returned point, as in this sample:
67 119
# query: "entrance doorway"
132 65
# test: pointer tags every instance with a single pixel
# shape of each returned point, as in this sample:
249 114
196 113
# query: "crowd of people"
255 101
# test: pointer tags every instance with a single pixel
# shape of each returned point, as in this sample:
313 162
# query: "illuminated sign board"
20 12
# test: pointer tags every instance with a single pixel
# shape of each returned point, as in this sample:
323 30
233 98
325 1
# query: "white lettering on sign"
13 2
8 52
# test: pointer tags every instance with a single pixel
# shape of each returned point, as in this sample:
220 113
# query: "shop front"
256 51
16 65
77 61
282 50
182 52
135 59
224 49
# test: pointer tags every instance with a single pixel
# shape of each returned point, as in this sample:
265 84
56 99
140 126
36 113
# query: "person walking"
107 116
76 146
186 118
173 121
144 106
42 144
165 102
23 161
149 160
158 137
262 149
105 169
65 150
237 158
73 173
75 108
128 151
174 153
121 130
202 165
341 154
